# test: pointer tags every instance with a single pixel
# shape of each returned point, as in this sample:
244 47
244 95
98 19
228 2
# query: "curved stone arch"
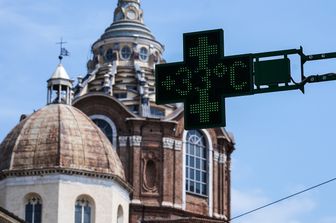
209 145
109 100
120 214
32 194
33 206
112 125
85 199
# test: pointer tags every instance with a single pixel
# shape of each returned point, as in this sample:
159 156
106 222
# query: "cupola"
59 87
123 63
128 10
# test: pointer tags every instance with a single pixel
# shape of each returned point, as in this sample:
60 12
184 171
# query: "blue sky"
285 141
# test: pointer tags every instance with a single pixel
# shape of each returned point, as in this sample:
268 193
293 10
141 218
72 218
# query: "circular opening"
143 53
126 52
131 14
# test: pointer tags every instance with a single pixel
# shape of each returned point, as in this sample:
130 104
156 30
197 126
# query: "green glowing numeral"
184 71
168 83
233 74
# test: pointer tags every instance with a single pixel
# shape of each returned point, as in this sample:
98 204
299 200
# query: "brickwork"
151 151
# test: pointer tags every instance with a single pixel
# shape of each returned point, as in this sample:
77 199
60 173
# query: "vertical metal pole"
303 60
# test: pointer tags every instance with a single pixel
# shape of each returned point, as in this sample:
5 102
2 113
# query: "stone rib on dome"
59 136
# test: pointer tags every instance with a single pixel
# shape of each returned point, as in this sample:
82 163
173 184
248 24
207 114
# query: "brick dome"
59 136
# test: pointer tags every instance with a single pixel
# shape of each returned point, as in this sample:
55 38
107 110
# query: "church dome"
59 136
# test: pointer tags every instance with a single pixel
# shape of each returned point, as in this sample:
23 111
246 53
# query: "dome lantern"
59 87
128 10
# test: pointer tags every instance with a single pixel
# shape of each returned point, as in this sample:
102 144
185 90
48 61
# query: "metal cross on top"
204 79
63 51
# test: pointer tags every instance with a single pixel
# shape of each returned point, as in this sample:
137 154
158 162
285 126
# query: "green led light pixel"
204 79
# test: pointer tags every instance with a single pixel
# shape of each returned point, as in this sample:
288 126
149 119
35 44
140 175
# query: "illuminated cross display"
204 79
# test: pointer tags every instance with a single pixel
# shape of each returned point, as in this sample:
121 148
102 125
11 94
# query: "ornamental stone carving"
150 176
123 141
135 140
168 143
216 156
219 157
222 158
178 145
151 171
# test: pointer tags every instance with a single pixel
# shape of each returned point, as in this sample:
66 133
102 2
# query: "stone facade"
152 152
58 194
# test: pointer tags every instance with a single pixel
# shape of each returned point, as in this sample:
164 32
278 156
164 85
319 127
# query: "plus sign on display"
204 79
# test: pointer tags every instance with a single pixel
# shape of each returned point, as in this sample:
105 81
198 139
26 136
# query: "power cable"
282 199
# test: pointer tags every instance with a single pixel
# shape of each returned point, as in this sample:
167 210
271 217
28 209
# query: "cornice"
66 171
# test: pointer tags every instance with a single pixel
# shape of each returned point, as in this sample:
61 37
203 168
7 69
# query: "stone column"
135 144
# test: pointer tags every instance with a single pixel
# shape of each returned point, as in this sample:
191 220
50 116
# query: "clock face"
131 14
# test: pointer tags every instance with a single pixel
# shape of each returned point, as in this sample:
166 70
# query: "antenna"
63 51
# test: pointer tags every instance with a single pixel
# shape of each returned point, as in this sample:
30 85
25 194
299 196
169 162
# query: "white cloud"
289 211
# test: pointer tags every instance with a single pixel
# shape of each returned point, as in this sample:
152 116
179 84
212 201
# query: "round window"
126 52
143 53
131 14
109 55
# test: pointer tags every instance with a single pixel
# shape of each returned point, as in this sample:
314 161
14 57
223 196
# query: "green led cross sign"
203 79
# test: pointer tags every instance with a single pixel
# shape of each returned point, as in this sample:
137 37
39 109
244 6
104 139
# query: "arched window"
120 215
83 210
196 163
109 55
33 209
107 126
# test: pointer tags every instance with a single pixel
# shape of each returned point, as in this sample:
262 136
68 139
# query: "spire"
59 87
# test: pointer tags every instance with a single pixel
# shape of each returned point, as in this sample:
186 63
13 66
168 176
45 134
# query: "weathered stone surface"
59 136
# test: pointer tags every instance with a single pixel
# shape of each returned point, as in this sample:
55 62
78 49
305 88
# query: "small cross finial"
63 51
